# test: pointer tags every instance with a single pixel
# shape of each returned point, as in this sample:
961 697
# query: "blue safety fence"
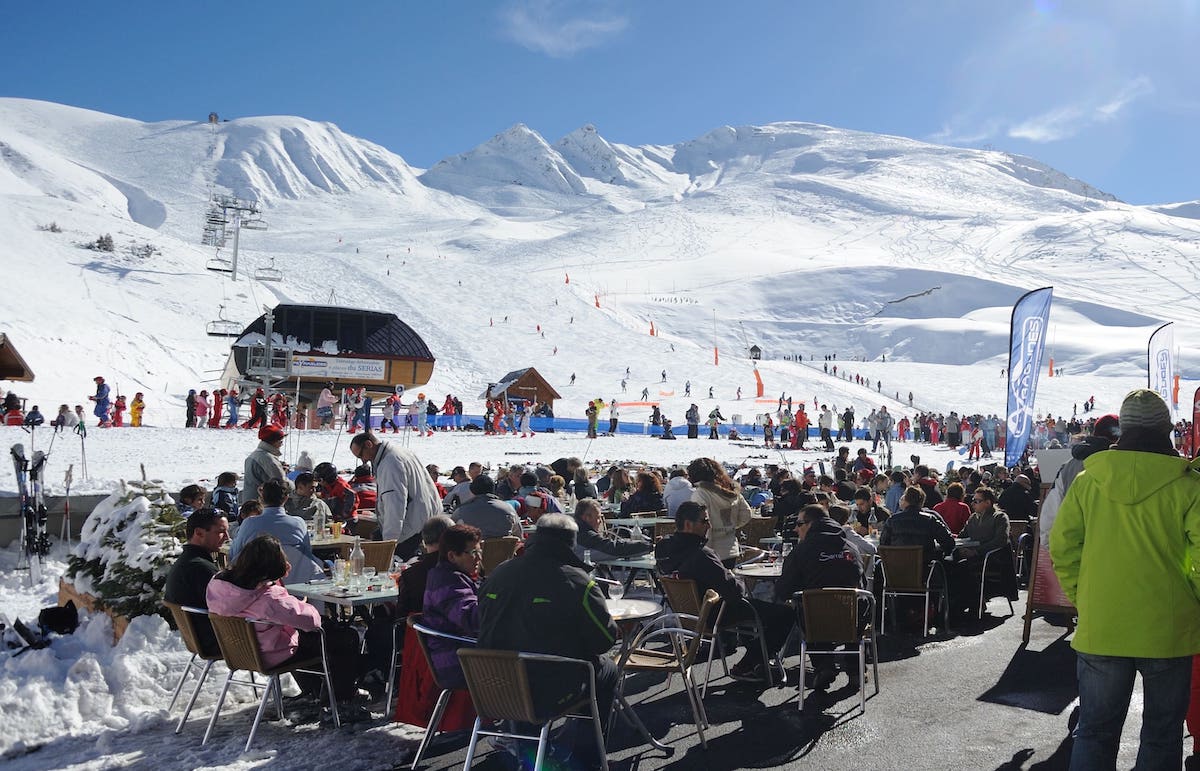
544 425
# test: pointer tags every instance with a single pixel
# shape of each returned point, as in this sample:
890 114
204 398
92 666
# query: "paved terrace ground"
972 700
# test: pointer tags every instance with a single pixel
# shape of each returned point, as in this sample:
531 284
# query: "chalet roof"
511 378
12 366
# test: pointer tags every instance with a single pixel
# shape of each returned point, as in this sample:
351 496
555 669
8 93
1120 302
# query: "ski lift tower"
269 364
226 215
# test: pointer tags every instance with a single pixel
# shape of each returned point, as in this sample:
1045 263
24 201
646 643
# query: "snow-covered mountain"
804 239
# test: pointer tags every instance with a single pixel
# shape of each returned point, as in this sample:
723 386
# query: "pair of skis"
34 539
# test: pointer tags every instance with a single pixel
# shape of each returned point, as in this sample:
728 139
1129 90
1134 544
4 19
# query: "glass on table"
341 570
369 574
395 570
616 590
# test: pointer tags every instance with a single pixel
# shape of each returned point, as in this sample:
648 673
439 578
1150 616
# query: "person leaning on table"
405 497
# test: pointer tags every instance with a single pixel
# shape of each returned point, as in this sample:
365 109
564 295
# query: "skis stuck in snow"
35 543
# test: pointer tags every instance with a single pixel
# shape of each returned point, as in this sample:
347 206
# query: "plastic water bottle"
319 524
587 557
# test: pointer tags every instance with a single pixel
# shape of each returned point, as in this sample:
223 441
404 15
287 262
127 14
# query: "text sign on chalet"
339 368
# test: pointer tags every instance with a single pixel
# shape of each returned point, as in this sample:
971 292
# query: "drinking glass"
340 569
369 575
785 549
397 568
616 591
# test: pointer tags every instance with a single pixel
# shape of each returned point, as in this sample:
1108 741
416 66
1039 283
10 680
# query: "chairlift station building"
316 344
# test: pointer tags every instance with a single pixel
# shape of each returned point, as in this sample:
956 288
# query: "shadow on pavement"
1038 680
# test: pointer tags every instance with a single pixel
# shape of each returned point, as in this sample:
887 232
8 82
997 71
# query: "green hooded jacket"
1126 548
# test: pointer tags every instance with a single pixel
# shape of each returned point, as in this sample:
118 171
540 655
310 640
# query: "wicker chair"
684 598
240 649
905 574
833 617
757 529
187 629
378 554
663 529
666 650
498 550
423 633
500 690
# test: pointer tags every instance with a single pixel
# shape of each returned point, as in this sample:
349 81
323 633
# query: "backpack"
534 504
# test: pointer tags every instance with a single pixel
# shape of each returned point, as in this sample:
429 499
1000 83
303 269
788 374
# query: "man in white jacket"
406 495
678 490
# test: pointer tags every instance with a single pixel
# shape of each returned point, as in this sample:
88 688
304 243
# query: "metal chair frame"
445 693
188 632
913 591
809 630
983 578
516 704
234 655
684 646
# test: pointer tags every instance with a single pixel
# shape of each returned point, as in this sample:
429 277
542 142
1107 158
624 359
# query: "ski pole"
65 535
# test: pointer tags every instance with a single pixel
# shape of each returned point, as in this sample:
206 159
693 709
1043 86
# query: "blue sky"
1105 90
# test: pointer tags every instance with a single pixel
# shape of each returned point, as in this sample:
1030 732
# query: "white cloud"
559 28
1068 120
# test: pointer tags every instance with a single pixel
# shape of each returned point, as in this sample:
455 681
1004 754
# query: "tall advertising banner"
1026 343
1160 362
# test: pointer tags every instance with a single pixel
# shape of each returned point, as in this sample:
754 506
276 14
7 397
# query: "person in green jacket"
1126 548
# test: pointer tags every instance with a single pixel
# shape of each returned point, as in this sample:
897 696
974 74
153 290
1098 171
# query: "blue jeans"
1105 686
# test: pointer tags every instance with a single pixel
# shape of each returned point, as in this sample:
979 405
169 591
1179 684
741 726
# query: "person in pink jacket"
252 588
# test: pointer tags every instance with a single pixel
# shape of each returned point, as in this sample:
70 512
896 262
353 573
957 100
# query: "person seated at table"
338 495
721 498
646 498
545 602
868 515
537 499
619 487
291 532
823 559
508 485
252 588
187 581
841 514
414 577
678 490
582 486
990 527
303 502
558 488
791 501
603 543
915 526
953 511
190 499
486 512
451 601
362 482
251 508
684 554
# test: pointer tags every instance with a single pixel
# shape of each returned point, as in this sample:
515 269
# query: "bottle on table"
319 524
357 559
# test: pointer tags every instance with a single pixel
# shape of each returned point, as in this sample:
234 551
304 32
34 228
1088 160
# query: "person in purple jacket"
452 600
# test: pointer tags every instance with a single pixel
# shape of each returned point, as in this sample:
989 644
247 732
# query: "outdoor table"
381 589
639 522
633 613
643 563
766 571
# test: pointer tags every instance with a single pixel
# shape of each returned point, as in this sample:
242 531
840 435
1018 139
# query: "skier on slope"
136 408
102 402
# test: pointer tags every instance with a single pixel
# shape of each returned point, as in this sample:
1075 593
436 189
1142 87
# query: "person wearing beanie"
263 463
545 602
1124 546
1105 433
486 511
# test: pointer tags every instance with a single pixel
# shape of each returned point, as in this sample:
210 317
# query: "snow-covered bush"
126 548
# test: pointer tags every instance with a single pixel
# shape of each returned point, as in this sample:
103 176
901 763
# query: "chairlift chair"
219 265
270 273
254 223
223 327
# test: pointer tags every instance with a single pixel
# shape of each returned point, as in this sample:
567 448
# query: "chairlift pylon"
223 327
270 273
